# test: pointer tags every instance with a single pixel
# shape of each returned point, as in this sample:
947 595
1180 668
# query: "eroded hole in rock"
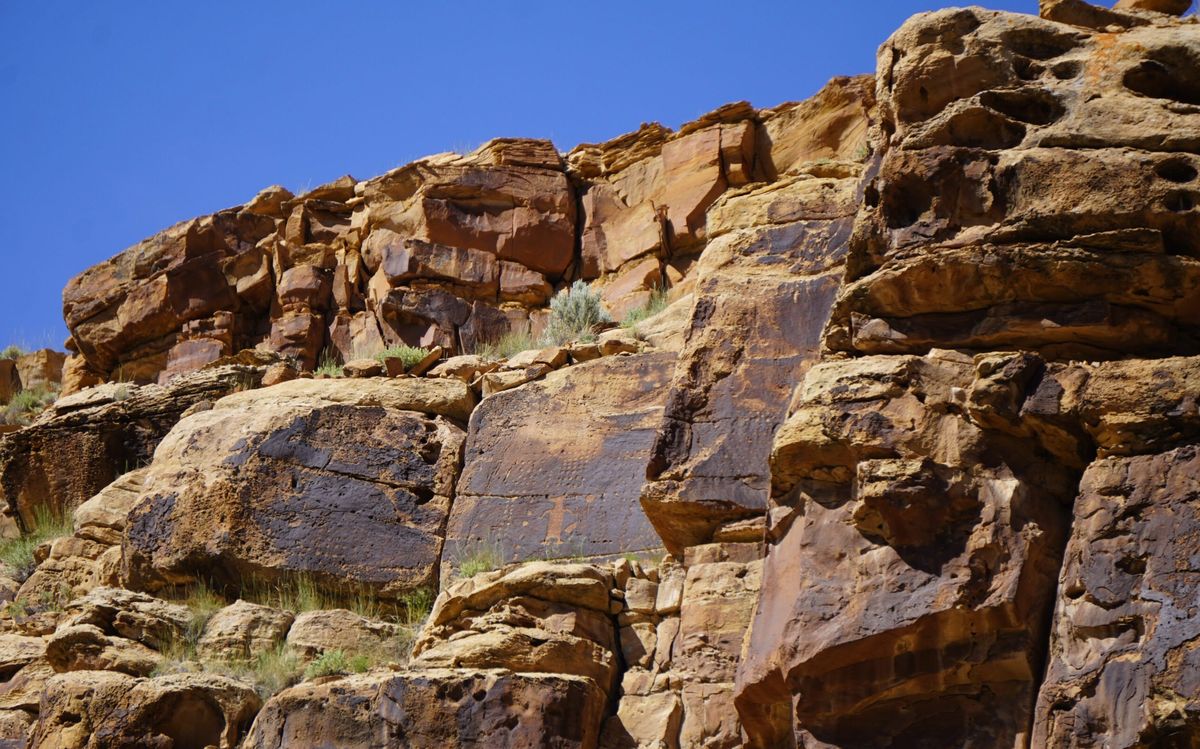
1176 170
1179 201
193 724
1026 69
908 200
1171 73
982 128
1040 44
1066 70
1034 107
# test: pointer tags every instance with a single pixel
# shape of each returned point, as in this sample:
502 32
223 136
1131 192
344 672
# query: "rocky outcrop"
918 431
920 496
94 709
84 441
331 479
434 709
770 272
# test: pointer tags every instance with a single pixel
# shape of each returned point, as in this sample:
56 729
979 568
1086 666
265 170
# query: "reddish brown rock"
907 576
553 468
770 272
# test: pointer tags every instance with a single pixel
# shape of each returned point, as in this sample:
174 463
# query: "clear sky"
121 118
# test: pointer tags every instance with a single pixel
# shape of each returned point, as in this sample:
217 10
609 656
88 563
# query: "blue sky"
122 118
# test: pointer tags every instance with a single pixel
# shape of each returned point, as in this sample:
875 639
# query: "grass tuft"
18 552
410 355
505 346
12 352
655 304
328 364
482 556
27 404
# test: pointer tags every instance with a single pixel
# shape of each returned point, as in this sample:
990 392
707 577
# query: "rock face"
296 482
770 272
82 442
434 709
920 496
554 468
918 432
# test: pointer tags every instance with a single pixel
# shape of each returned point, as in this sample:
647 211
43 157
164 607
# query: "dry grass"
18 552
505 346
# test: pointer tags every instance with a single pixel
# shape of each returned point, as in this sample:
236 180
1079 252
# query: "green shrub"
27 404
575 314
416 604
655 304
476 557
270 671
18 552
328 364
410 355
12 352
506 345
333 662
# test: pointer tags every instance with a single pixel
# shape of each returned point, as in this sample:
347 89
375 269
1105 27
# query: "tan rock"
94 709
315 632
288 480
436 708
363 368
85 647
538 617
242 630
466 367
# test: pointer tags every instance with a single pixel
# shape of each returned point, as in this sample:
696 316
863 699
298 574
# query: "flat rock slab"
273 487
554 468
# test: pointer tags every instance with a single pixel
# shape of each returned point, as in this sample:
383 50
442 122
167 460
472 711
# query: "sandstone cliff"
904 453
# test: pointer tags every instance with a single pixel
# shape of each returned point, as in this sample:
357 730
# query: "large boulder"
97 709
1021 157
553 468
329 479
435 708
533 618
912 562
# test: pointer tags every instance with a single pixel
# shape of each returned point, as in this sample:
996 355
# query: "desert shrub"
27 404
18 552
655 304
328 364
270 671
12 352
575 313
506 345
303 593
338 662
410 355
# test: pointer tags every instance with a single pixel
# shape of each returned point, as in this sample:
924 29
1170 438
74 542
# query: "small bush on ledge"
575 314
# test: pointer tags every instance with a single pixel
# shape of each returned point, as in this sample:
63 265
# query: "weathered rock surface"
554 468
770 272
534 618
97 709
326 478
433 709
1123 656
242 630
84 441
316 632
